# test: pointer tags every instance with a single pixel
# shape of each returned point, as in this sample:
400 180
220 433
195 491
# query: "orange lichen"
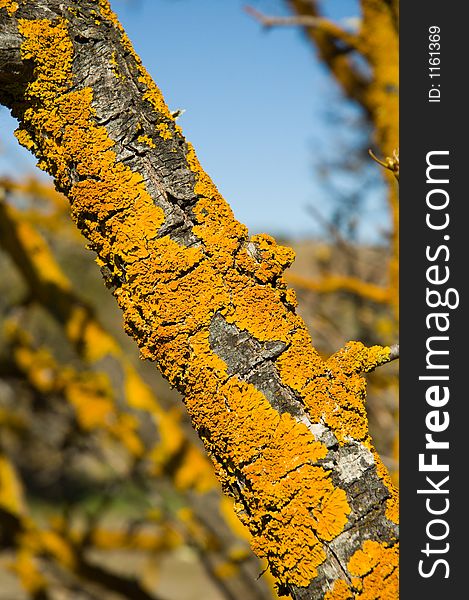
11 495
145 139
115 67
264 258
25 139
169 295
334 391
357 358
340 591
10 6
375 571
164 131
26 567
294 506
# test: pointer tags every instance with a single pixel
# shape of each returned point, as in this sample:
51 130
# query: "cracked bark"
286 430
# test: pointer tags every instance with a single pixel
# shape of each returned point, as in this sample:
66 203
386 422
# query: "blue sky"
255 105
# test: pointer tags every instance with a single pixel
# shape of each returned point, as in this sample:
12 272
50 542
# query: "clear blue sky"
255 105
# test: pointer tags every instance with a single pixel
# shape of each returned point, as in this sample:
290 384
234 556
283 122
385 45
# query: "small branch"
355 357
390 162
349 39
341 283
394 354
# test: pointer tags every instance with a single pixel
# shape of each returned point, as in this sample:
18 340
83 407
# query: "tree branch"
204 301
341 283
328 27
390 162
394 352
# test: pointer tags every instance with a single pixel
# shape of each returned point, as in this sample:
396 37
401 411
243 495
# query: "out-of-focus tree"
88 424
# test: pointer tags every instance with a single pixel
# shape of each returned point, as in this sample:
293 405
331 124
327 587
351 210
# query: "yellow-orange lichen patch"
357 358
51 49
340 591
293 504
334 391
68 119
10 6
300 363
11 494
25 139
330 396
145 139
264 258
254 307
164 131
115 67
375 571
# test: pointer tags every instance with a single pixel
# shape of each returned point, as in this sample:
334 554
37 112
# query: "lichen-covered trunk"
286 430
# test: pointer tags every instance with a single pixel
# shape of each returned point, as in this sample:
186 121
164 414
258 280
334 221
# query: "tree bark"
286 430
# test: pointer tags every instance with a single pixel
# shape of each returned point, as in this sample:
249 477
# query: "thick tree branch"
286 430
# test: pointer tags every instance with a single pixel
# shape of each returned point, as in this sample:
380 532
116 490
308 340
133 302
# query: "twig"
349 39
394 354
390 162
